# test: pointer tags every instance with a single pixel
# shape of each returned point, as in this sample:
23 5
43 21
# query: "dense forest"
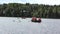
29 10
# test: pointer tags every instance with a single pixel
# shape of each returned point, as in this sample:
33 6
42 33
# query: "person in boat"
33 18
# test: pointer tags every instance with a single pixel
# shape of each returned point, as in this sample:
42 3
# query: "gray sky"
50 2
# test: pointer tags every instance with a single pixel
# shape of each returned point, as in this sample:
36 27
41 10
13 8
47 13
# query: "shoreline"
31 17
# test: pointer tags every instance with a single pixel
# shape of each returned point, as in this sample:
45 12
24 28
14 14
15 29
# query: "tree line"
29 10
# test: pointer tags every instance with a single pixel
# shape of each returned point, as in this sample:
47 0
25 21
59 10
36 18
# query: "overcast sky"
49 2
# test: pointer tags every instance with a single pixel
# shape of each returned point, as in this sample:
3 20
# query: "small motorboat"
34 19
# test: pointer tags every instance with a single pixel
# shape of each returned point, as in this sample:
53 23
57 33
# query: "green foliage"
29 10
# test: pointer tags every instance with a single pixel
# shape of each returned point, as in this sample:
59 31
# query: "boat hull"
36 21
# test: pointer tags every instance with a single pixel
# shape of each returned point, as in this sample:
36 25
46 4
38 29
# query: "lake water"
10 25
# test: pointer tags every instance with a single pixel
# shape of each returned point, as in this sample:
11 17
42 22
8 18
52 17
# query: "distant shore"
29 10
31 17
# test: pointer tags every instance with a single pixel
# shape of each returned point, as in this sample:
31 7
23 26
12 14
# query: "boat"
34 19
